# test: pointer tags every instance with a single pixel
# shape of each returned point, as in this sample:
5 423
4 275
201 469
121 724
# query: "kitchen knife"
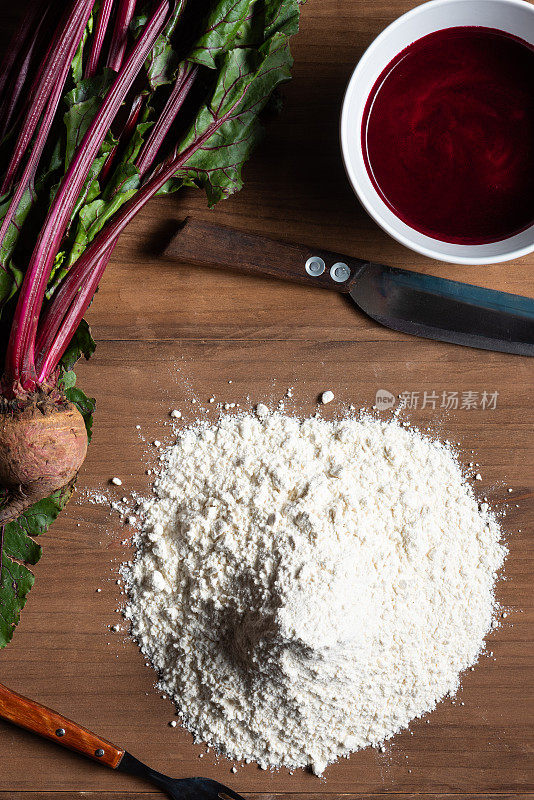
411 302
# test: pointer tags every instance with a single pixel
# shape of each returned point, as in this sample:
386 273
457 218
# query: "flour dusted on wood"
306 588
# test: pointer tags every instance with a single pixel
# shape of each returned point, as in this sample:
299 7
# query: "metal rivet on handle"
315 266
340 272
60 732
99 753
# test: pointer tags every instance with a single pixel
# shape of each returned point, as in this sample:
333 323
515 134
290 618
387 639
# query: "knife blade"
449 311
406 301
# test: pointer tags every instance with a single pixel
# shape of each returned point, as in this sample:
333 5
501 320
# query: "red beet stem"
17 45
22 42
98 38
119 38
184 82
28 175
48 37
58 55
10 105
76 303
20 74
64 314
20 366
72 300
124 136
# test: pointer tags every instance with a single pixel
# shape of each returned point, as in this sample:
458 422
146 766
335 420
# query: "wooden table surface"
169 333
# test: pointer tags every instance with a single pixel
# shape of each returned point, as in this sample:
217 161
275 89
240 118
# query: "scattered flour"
327 397
307 588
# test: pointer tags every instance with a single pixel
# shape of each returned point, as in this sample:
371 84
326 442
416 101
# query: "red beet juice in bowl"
448 135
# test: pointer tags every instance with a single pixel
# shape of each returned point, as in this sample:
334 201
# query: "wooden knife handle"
205 243
47 723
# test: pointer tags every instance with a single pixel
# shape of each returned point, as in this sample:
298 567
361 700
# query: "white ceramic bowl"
512 16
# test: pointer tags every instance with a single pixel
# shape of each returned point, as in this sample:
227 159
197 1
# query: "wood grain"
151 795
170 333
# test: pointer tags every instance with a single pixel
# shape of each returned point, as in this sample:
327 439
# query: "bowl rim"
374 210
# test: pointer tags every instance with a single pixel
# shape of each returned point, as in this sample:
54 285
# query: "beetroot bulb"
43 443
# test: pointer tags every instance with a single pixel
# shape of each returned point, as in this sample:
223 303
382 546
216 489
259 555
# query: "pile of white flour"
306 588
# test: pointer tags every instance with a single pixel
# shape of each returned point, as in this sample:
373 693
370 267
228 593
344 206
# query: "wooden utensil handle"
200 242
47 723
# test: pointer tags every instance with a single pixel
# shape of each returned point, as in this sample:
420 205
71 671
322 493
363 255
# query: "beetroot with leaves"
102 106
